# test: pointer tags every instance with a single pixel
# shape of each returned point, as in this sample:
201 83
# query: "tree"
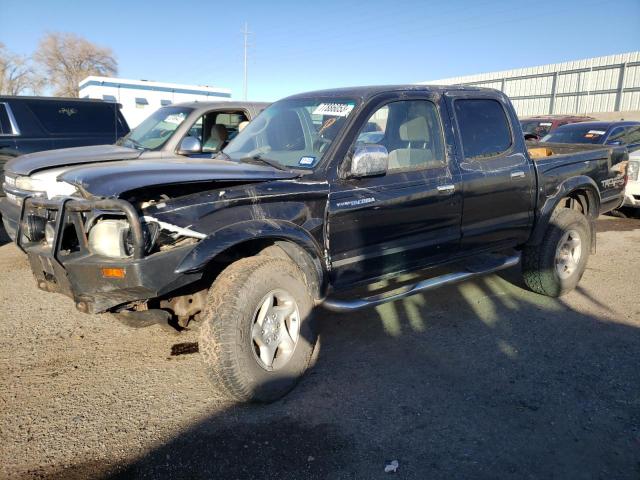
17 75
67 59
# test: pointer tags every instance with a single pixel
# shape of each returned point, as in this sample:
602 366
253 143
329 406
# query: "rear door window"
5 124
484 128
67 118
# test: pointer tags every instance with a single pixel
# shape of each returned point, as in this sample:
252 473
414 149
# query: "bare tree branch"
17 75
68 59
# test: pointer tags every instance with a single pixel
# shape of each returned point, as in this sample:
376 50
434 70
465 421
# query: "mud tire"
539 262
226 343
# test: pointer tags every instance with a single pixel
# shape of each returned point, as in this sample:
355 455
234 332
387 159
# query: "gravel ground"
478 380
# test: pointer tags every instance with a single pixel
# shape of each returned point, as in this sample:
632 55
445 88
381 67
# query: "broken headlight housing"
113 238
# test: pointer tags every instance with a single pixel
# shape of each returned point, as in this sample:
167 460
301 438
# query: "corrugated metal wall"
600 84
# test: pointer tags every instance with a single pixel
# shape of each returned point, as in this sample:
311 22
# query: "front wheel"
257 337
555 267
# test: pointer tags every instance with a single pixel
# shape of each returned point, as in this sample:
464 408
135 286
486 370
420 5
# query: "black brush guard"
71 209
79 274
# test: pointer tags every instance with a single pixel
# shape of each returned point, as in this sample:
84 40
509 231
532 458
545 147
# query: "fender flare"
286 232
581 182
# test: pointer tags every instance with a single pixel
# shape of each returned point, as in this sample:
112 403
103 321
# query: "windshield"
157 128
576 134
293 133
536 127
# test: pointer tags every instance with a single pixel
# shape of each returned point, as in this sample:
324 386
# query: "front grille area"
633 170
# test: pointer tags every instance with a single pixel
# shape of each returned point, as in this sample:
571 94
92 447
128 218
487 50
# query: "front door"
406 218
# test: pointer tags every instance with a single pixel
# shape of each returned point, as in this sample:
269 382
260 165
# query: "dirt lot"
478 380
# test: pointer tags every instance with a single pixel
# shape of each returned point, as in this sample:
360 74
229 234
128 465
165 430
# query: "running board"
339 305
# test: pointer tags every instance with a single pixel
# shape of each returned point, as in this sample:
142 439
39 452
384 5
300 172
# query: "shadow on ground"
477 380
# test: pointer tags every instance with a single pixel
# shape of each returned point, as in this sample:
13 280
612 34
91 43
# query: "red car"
535 128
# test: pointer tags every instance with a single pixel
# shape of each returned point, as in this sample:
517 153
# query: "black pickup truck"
322 194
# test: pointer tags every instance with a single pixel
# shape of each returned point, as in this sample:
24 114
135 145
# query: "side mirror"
189 145
614 142
369 160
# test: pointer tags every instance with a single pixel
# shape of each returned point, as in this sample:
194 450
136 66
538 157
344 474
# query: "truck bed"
604 164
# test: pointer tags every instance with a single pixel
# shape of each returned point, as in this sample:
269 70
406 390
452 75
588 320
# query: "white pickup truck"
632 191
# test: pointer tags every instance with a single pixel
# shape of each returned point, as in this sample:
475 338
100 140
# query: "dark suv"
32 124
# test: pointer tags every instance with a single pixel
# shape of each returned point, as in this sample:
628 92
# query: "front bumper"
79 273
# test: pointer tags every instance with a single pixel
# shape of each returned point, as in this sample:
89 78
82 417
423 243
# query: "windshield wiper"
267 161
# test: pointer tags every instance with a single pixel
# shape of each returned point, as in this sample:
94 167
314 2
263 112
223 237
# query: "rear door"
497 176
77 124
407 218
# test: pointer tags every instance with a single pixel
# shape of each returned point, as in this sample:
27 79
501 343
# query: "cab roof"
231 105
600 125
365 92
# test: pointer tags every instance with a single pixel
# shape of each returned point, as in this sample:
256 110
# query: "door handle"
517 174
446 188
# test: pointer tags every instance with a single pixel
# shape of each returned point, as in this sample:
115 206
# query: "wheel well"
581 200
310 265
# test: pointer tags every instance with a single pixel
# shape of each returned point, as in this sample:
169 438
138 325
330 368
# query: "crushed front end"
101 252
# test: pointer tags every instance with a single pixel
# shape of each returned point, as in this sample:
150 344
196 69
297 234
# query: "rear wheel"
257 337
555 267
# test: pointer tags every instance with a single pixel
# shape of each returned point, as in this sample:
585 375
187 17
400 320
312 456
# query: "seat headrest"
219 132
415 130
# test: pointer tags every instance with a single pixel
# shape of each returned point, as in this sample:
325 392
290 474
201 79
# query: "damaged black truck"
319 197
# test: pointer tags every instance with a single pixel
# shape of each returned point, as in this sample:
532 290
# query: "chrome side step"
339 305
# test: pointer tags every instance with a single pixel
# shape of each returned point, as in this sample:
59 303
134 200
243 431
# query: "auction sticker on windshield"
335 109
176 118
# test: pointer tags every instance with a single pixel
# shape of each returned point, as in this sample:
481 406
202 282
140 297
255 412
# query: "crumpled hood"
115 178
32 162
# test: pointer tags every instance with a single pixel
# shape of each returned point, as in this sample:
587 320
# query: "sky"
303 45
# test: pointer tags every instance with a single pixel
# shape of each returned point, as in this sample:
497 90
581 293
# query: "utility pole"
245 34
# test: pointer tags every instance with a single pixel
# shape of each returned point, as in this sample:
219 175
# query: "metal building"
599 84
140 98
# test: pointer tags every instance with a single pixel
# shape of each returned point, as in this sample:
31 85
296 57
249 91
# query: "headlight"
11 181
29 184
112 238
108 238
